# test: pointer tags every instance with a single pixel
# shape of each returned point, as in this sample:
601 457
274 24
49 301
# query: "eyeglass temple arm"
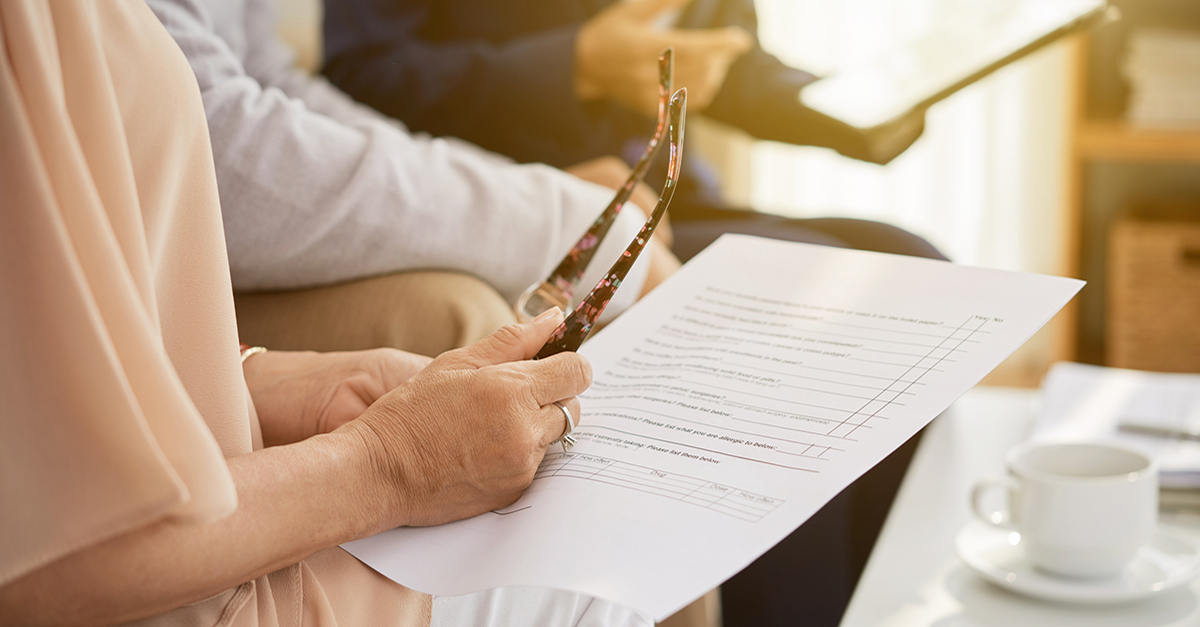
578 325
566 276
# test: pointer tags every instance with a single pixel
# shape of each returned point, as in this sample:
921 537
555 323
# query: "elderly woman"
143 473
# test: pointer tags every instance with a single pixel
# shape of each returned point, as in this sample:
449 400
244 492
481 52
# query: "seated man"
330 205
564 82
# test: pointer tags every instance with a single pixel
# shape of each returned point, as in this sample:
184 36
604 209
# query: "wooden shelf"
1116 140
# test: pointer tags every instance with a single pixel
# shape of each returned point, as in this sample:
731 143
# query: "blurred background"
1082 159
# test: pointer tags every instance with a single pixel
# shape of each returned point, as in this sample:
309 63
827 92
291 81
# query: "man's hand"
887 142
300 394
612 172
616 56
467 434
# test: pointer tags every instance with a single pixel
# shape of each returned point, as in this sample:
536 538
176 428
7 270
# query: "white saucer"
1168 562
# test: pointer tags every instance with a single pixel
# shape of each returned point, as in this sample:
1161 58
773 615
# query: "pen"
1162 432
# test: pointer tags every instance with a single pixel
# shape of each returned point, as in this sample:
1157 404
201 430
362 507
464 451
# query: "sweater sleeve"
309 199
761 96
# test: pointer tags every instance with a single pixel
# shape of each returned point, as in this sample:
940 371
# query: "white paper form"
727 408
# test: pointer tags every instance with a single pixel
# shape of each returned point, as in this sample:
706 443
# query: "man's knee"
876 236
466 308
422 312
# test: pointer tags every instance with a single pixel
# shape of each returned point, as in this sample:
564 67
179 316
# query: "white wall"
984 183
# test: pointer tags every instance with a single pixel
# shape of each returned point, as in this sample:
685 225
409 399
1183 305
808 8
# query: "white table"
913 578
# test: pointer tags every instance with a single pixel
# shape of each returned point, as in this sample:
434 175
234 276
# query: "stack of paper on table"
727 407
1092 402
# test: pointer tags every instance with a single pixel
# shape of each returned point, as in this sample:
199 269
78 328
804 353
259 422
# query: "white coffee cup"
1081 509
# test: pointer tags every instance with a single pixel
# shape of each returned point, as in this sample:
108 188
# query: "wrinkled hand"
616 56
300 394
612 172
467 434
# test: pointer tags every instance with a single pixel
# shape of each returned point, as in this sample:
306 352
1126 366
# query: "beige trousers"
425 312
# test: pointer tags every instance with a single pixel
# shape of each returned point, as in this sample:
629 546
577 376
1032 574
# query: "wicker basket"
1153 318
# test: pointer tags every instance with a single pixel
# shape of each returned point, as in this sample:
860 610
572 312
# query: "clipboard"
955 51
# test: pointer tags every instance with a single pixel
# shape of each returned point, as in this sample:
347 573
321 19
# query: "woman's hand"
462 437
467 434
300 394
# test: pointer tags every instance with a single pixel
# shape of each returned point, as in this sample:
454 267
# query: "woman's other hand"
300 394
467 434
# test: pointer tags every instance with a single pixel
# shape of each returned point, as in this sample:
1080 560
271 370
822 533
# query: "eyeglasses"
574 330
557 289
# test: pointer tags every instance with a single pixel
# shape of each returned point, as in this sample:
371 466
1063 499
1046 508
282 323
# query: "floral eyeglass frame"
579 323
559 287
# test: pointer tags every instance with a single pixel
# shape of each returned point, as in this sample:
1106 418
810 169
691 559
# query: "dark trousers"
808 578
697 226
